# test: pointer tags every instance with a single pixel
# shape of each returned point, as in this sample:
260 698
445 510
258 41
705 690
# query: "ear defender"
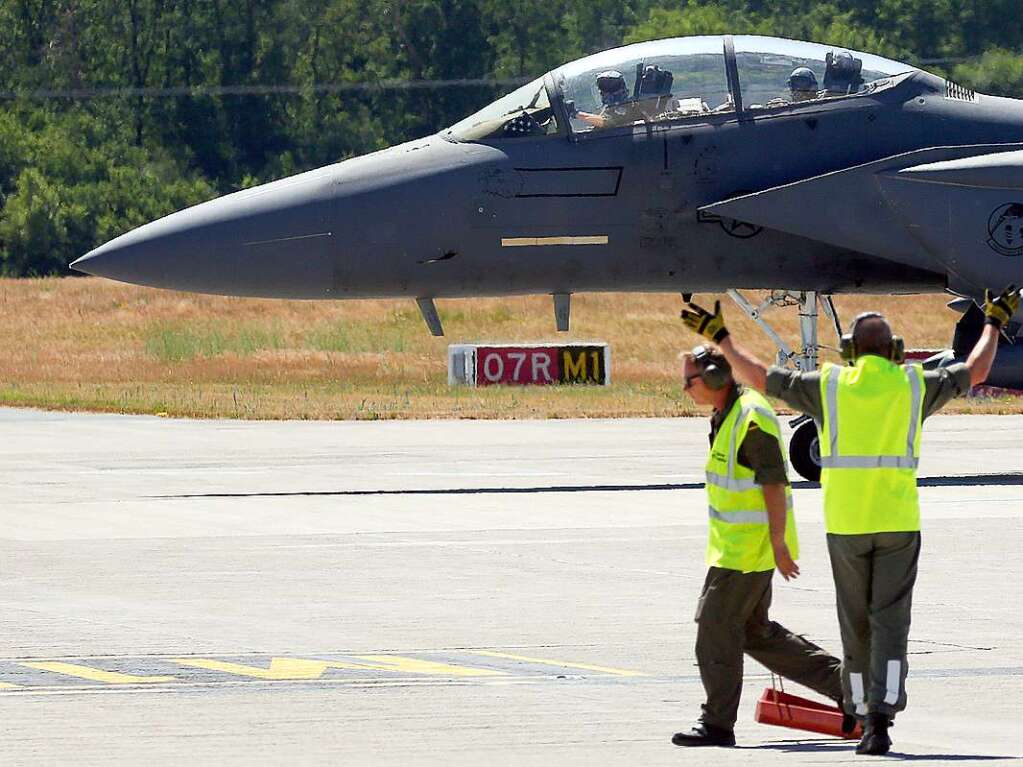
898 350
714 377
847 349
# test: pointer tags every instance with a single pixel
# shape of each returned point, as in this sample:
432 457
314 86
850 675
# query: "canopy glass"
680 78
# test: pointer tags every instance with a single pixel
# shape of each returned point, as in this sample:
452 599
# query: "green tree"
76 181
998 72
35 226
692 18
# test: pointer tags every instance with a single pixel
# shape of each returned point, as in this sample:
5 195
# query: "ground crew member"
869 417
752 531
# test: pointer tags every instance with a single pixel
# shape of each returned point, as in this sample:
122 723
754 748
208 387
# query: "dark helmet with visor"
611 85
803 81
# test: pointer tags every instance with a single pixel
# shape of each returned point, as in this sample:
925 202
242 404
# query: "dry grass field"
91 344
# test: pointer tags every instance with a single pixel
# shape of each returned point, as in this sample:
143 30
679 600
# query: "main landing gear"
804 447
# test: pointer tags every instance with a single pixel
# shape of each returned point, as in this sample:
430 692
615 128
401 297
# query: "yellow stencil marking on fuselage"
417 666
527 242
564 664
94 674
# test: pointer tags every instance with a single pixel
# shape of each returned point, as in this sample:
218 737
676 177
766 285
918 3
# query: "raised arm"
983 355
745 366
997 311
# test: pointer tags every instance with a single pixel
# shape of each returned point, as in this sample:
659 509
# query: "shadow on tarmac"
972 480
849 746
455 491
965 480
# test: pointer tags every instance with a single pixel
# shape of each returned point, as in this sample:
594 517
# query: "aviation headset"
849 352
716 374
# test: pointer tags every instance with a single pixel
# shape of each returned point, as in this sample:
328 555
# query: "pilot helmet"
611 85
803 83
844 63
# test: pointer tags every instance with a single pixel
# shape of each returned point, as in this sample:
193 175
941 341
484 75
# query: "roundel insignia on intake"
1005 229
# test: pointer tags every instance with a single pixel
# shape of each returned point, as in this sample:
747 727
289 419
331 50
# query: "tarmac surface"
246 593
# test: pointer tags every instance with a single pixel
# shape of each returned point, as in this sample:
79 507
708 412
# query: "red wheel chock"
780 708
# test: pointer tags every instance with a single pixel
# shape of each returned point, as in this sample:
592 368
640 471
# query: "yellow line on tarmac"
417 666
280 668
7 686
549 662
302 668
96 674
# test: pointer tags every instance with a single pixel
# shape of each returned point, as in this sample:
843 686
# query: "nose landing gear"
804 447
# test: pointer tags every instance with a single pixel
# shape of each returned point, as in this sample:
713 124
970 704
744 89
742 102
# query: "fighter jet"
690 164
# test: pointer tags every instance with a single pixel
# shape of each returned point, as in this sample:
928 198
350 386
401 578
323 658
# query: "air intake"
958 92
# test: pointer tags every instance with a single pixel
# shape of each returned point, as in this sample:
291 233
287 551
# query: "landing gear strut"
804 447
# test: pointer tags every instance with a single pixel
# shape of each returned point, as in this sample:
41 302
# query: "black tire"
805 452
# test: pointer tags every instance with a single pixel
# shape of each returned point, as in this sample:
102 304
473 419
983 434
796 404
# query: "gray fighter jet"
689 164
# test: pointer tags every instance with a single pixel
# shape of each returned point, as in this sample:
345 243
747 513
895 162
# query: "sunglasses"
687 382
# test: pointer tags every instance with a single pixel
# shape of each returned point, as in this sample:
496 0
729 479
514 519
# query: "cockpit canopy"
678 79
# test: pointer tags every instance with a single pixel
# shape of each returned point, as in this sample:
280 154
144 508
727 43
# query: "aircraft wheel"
805 451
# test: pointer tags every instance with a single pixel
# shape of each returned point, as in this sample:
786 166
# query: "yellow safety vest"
739 533
870 446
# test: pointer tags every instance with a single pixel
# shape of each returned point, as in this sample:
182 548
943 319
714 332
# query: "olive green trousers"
732 619
874 578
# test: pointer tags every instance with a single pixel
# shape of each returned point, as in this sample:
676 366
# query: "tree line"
115 112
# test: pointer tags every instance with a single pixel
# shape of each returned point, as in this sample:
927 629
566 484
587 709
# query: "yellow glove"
710 326
998 311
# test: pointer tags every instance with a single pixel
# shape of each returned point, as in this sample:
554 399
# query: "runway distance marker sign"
529 364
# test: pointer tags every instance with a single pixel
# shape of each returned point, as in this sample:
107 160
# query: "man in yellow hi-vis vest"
869 417
752 531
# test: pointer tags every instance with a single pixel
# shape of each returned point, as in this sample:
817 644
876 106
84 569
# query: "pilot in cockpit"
614 95
652 97
802 84
802 87
842 74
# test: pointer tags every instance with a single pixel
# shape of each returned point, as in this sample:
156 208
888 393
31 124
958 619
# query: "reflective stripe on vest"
739 525
837 461
744 517
870 446
730 483
738 517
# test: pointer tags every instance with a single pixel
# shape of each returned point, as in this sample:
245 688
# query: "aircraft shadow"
974 480
1010 478
453 491
966 480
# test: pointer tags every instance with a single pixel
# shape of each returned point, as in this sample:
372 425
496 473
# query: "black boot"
848 720
875 735
703 734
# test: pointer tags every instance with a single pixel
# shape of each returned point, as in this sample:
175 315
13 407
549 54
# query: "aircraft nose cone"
118 259
275 239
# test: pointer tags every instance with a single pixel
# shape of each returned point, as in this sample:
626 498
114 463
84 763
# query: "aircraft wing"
955 208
